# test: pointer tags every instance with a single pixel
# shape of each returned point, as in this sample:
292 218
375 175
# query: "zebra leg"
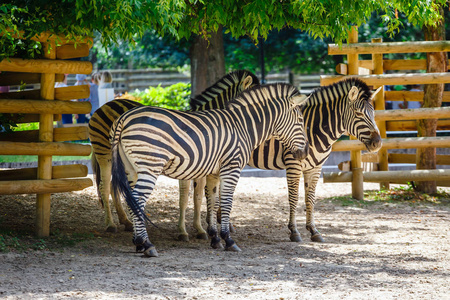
293 179
210 190
183 199
141 190
227 186
104 188
219 214
311 179
123 219
199 188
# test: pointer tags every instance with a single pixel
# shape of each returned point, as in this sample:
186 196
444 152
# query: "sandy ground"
379 251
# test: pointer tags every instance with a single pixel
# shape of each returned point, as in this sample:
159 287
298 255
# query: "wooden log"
411 96
48 36
68 51
413 114
30 118
412 125
64 171
65 134
379 103
62 93
404 158
72 92
355 155
391 47
44 169
44 148
379 176
44 186
391 79
396 143
398 64
342 69
17 78
46 66
44 106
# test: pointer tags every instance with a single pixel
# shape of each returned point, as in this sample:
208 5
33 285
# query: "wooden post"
355 156
45 135
379 103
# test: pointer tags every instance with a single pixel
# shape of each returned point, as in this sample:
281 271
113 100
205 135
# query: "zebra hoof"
151 252
183 237
202 236
233 248
112 229
216 244
140 248
295 237
317 238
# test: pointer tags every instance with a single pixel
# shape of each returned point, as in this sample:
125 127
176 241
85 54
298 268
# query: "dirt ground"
376 251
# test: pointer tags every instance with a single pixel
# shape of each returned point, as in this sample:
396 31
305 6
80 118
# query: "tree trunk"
436 62
207 61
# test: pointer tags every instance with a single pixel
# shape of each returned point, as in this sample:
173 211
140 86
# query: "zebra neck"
253 127
324 117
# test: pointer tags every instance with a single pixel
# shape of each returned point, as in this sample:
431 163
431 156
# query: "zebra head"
360 117
294 137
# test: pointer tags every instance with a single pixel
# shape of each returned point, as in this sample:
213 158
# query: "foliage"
148 51
288 49
127 19
115 19
317 18
176 96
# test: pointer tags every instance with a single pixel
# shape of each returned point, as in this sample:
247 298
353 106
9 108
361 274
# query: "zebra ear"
375 93
299 99
353 94
247 82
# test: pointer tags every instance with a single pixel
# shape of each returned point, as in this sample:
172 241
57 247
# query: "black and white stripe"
328 113
100 124
149 141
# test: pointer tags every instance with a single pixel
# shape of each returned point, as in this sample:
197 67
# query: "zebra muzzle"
375 142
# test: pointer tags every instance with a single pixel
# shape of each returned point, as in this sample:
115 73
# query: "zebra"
149 141
100 124
329 112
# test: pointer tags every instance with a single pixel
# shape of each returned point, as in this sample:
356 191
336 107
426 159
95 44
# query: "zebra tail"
97 175
119 182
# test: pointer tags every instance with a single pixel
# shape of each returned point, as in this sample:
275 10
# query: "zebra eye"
359 114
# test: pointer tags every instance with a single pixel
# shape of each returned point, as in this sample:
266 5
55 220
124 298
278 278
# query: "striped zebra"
329 112
149 141
100 124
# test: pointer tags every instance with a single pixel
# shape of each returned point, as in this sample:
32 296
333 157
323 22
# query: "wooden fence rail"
371 71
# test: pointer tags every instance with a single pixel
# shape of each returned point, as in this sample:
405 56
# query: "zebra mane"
282 90
228 82
344 86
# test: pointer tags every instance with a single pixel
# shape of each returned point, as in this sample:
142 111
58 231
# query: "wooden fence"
372 72
45 105
130 80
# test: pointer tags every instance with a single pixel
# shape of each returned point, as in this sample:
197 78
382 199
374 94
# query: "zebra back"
224 90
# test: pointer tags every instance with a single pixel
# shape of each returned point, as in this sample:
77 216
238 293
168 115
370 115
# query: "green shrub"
175 96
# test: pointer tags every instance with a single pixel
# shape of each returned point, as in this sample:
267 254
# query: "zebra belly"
272 156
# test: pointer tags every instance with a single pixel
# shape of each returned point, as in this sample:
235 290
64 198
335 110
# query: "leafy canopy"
124 19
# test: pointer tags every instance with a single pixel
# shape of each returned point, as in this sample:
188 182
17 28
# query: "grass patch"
22 241
402 193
